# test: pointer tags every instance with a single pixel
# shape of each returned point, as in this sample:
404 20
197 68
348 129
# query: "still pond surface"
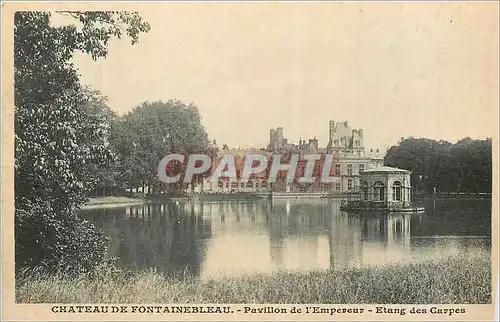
234 238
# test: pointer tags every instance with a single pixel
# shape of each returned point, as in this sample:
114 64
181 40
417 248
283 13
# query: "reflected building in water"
253 238
211 239
342 240
365 240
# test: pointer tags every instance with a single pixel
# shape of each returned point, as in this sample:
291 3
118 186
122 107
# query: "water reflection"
240 238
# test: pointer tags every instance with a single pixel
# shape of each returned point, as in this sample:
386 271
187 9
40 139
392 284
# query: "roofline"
369 171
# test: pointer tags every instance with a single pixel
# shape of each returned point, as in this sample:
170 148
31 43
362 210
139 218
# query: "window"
357 142
336 142
242 185
349 169
361 167
263 184
249 184
359 153
378 191
337 169
234 185
396 191
337 186
220 184
365 190
349 184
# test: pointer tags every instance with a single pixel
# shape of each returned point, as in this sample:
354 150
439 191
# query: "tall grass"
453 280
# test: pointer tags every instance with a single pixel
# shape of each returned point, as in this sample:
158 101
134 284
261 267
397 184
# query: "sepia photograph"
250 160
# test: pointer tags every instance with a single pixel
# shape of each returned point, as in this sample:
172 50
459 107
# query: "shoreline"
112 202
122 201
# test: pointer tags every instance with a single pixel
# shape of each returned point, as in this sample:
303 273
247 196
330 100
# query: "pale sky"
394 69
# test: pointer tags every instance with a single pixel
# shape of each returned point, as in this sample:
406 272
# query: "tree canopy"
152 130
465 166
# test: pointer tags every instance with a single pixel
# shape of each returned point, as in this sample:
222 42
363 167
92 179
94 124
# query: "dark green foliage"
57 241
151 131
59 138
465 166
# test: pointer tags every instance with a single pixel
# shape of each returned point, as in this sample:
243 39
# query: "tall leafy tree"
153 130
56 137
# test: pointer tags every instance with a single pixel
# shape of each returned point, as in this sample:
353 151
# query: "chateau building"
345 144
255 183
350 156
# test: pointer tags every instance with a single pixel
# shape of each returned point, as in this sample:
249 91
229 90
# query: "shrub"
57 241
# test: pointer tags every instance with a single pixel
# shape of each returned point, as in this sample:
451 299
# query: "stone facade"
386 185
347 146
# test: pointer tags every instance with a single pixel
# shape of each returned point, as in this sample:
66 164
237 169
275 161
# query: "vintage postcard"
250 160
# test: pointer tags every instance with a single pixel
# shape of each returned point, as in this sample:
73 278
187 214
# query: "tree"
56 137
106 177
152 130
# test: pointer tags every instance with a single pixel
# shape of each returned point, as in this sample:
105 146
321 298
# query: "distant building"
255 183
350 157
343 138
276 140
345 144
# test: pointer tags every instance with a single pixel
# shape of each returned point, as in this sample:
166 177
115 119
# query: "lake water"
234 238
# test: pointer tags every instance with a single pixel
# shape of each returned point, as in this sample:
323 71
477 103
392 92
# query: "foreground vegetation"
452 280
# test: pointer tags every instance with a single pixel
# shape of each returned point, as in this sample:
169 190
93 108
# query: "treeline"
465 166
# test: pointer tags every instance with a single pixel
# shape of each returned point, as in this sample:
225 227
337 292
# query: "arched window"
378 190
249 184
396 191
263 184
220 184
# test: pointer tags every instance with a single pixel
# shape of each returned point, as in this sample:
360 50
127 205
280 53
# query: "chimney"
271 135
279 137
331 128
314 142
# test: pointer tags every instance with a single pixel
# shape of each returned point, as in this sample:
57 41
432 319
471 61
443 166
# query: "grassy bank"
450 280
